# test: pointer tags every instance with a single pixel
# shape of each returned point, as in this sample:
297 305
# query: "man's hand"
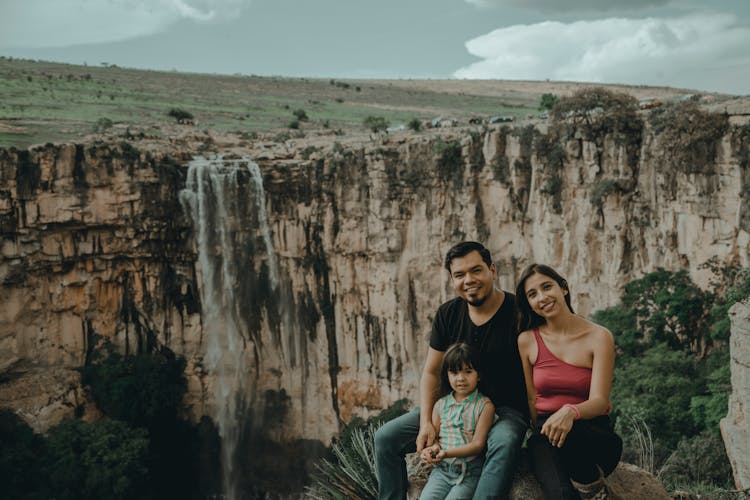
426 436
432 454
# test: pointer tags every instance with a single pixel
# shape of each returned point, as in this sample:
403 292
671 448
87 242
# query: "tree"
670 308
21 459
144 390
548 101
102 460
375 123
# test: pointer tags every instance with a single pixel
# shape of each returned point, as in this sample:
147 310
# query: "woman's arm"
478 441
526 345
558 425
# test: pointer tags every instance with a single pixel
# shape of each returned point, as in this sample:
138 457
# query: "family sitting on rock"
554 377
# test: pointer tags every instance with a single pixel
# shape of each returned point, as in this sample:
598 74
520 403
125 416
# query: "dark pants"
590 443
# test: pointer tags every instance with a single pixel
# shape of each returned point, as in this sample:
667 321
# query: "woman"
568 363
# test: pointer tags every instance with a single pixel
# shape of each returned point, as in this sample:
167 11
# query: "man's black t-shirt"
497 344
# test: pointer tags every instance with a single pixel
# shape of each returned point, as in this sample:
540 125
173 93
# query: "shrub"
21 459
142 390
106 459
102 124
548 101
376 123
294 124
180 114
415 124
300 114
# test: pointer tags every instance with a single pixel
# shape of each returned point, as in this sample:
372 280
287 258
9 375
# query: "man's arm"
429 390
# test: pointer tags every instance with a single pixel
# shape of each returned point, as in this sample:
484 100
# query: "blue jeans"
442 482
398 437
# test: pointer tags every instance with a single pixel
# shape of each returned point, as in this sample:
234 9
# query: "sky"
689 44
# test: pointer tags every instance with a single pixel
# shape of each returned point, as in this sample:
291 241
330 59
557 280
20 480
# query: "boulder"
626 482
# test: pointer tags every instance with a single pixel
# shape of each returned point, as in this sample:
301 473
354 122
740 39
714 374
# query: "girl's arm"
526 343
558 425
478 441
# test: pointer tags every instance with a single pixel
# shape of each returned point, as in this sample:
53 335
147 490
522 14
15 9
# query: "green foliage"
670 308
21 456
602 189
600 112
737 283
102 124
352 474
623 323
709 407
300 114
180 114
690 137
415 124
102 460
375 123
548 101
450 165
294 124
143 390
657 387
700 459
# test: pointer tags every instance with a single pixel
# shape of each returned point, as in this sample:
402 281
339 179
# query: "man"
484 317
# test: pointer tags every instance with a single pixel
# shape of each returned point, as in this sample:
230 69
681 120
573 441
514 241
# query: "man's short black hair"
465 248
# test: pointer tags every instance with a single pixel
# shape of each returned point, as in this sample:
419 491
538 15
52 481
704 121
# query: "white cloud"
707 52
57 23
570 5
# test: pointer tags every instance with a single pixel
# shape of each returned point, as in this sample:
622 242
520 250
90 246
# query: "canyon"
320 259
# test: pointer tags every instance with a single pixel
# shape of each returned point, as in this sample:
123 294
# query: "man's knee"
505 437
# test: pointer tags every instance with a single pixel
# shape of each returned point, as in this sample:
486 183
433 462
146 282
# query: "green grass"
43 102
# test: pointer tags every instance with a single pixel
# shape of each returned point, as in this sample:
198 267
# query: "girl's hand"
558 425
432 454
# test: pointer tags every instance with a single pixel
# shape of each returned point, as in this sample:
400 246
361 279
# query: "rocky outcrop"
626 481
735 427
97 241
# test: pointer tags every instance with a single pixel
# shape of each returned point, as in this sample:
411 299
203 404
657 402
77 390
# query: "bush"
102 124
300 114
180 114
548 101
294 124
700 459
99 460
21 459
144 390
376 123
415 124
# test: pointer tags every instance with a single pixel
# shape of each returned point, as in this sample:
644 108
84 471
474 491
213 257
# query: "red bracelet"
575 409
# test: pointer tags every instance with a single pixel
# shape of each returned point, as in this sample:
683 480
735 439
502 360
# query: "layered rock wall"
735 428
95 241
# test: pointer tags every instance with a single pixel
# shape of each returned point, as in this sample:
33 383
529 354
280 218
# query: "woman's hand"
558 425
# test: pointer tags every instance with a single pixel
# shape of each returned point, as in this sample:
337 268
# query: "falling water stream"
226 202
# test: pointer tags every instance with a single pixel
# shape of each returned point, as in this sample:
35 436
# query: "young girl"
568 363
464 418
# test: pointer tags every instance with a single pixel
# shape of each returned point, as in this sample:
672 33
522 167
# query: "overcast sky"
680 43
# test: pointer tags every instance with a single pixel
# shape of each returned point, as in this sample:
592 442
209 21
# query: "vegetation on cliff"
142 448
672 374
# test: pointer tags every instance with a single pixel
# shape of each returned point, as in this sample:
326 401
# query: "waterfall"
226 202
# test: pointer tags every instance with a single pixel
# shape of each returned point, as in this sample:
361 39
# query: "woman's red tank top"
557 383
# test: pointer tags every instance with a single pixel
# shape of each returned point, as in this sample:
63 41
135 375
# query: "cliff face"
329 270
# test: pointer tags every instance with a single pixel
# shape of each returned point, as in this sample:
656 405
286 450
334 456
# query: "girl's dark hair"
456 357
528 319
